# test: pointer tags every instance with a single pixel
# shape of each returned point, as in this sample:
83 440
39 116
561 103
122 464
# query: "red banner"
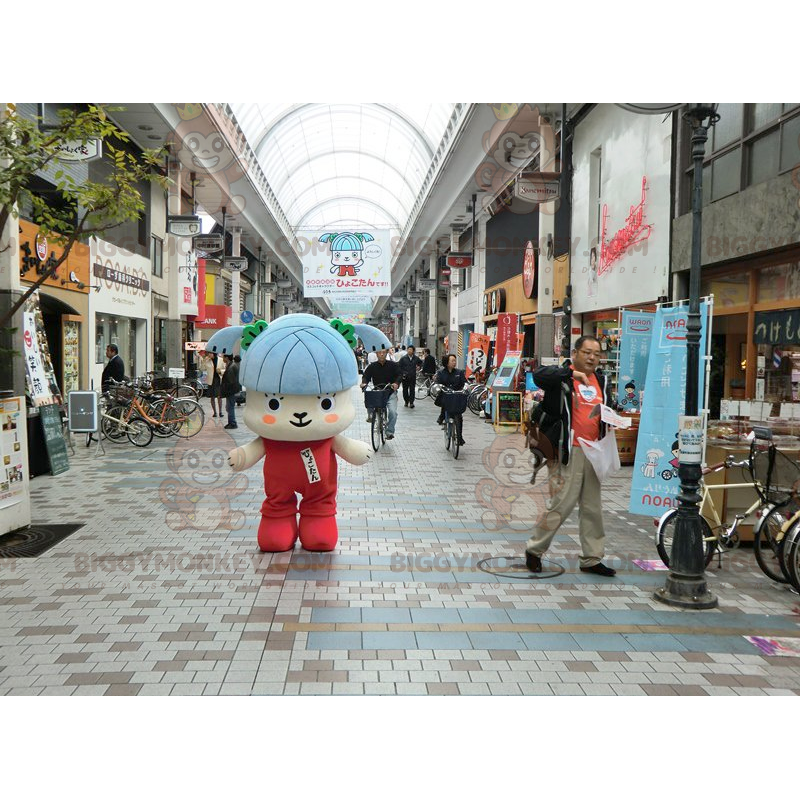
507 330
477 353
216 317
201 289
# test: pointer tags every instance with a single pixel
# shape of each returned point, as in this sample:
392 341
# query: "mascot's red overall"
300 373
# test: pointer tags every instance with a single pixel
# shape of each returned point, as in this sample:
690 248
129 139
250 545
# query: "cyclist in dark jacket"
451 378
428 363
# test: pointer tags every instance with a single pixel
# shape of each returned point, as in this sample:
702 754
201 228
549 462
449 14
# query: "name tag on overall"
310 463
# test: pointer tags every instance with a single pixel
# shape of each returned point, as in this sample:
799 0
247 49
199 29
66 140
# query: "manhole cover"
34 540
508 567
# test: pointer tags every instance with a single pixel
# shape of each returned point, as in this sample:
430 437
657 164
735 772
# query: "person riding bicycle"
450 378
384 372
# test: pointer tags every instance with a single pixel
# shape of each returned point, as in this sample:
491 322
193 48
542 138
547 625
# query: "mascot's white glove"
237 458
352 450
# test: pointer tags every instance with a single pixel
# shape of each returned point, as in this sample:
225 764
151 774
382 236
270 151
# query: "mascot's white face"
299 418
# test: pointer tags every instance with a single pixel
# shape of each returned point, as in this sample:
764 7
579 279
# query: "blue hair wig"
346 241
224 341
299 354
372 338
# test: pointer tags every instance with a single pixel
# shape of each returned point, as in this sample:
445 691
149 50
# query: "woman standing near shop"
214 372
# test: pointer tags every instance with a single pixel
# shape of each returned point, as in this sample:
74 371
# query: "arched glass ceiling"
345 164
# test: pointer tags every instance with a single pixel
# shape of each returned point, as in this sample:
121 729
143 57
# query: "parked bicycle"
423 386
376 401
162 414
772 510
454 404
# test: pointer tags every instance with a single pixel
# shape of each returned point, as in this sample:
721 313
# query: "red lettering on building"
634 232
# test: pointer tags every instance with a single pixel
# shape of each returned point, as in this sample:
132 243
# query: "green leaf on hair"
347 330
251 331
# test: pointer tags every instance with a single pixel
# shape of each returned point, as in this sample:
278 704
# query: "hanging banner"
187 279
339 263
478 353
507 328
655 486
636 332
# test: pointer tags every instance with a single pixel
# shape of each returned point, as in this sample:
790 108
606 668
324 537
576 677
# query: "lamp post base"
686 593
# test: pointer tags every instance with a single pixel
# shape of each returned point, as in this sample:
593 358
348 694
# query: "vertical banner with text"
507 330
655 485
634 350
478 353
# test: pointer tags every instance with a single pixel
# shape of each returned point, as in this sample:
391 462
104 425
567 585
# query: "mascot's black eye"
273 404
337 255
327 404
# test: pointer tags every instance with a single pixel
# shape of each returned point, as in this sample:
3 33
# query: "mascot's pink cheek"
332 418
268 419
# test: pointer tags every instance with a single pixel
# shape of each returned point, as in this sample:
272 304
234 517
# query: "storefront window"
779 283
72 362
160 345
728 290
120 331
779 368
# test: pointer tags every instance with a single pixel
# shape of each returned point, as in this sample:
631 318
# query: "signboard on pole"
183 225
236 263
208 243
477 353
507 328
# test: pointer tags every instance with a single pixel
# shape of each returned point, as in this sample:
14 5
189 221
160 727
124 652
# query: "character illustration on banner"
347 252
630 394
299 373
674 463
650 466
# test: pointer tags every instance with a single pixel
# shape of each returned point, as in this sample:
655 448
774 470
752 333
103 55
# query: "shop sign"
34 364
634 232
183 225
777 327
37 257
426 284
414 296
458 260
236 263
188 279
269 287
176 372
507 329
120 277
538 188
284 298
41 246
216 317
74 150
477 353
494 302
194 346
208 243
529 270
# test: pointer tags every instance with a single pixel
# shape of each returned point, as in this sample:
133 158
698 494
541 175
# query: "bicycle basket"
163 383
455 403
122 394
774 474
376 398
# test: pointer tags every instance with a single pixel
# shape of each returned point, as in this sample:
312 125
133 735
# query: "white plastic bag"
602 454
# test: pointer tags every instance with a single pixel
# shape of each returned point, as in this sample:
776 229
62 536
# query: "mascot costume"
299 372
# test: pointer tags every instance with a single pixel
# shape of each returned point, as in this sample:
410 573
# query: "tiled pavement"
157 595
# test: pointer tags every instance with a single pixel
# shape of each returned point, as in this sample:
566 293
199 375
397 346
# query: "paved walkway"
164 591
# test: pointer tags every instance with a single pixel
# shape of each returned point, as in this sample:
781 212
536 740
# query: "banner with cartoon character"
341 263
634 350
655 486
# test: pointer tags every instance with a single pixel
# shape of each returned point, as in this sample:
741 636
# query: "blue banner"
634 349
655 486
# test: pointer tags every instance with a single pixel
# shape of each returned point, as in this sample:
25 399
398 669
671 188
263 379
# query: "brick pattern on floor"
164 592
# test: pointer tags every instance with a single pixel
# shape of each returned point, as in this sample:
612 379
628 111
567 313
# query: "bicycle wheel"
383 422
448 431
185 391
666 531
189 419
375 430
139 432
456 436
768 543
169 420
112 424
422 389
791 554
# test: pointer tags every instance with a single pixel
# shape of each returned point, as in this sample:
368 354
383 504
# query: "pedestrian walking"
229 388
410 364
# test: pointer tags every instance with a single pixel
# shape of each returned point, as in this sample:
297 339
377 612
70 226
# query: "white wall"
633 146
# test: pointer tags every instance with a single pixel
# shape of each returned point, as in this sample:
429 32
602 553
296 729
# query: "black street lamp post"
685 585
